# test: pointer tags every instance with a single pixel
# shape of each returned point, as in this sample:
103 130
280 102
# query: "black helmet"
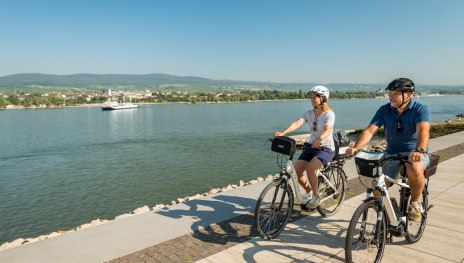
401 84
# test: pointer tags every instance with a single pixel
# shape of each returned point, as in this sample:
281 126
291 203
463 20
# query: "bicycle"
275 204
377 220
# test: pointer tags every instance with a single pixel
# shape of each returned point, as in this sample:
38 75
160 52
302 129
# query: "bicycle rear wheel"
361 244
414 229
273 209
332 192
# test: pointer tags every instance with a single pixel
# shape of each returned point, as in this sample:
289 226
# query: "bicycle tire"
273 209
359 244
414 230
330 206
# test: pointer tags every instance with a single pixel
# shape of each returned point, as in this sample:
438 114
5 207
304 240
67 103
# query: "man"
407 125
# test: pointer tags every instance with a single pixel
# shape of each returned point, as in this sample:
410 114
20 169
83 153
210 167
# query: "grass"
436 129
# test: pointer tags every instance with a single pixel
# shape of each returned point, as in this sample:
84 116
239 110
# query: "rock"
173 202
84 226
96 222
158 206
122 216
141 210
234 186
4 246
241 183
254 181
213 191
193 197
55 234
32 240
260 179
180 200
42 237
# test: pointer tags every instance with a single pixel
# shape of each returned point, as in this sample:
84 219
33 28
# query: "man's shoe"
415 211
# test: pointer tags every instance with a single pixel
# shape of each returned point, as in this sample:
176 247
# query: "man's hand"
350 151
415 157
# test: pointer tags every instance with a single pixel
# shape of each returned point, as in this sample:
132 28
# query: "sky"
324 41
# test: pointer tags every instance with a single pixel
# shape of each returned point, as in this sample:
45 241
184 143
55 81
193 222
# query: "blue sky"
324 41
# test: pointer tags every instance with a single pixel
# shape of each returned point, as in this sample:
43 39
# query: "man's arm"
423 133
363 139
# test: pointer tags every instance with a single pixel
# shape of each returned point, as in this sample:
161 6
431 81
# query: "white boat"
113 105
117 106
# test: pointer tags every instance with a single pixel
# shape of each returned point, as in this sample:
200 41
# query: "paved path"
315 239
190 231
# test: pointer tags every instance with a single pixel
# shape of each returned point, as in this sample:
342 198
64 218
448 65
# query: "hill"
164 82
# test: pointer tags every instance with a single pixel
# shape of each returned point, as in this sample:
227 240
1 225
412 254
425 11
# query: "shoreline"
20 107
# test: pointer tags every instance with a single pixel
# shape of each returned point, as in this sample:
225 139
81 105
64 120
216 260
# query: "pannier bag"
341 144
433 165
369 163
284 145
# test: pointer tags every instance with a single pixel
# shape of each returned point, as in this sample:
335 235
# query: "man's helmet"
401 84
321 91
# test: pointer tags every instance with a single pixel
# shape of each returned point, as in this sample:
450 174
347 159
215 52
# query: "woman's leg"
311 169
300 167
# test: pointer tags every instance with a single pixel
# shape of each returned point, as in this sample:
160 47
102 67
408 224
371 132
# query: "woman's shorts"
392 167
325 155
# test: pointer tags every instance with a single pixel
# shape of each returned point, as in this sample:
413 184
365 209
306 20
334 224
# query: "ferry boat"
117 106
113 105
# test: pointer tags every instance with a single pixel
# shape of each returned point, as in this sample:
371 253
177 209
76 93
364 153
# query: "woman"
321 120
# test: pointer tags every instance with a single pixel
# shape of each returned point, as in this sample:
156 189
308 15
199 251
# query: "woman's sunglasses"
314 126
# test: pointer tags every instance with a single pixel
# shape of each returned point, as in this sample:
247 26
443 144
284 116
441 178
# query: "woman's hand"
277 134
317 143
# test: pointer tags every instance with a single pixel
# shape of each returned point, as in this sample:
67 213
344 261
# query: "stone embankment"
140 210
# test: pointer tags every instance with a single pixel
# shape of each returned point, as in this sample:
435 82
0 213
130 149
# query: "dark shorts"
325 155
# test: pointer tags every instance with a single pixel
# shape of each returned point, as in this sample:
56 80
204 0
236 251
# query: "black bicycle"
377 220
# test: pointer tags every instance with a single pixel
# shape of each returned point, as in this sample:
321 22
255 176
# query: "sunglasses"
314 126
399 126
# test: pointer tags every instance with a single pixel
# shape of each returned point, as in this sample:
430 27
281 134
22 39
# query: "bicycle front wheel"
332 191
414 229
362 242
273 209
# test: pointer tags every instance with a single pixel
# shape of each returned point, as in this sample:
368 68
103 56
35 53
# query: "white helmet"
321 91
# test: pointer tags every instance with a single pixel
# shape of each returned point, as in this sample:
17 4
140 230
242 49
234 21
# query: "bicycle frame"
385 202
292 176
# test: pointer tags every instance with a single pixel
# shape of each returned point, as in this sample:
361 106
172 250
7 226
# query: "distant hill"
159 82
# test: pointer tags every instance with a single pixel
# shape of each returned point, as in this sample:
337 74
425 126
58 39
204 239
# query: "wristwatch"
421 150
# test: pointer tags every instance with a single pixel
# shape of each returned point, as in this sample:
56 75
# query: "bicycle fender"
370 199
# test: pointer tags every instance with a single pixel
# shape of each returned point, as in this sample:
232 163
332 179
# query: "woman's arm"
295 125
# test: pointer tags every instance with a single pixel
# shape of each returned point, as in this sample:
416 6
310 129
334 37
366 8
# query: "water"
61 168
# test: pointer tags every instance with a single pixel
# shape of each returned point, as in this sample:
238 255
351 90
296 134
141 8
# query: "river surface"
60 168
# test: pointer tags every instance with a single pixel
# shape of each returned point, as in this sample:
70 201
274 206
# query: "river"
60 168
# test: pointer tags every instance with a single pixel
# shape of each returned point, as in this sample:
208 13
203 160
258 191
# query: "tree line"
56 100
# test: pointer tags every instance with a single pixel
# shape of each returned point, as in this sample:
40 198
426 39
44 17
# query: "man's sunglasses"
399 126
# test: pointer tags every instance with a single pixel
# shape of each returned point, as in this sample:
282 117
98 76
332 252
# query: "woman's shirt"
326 118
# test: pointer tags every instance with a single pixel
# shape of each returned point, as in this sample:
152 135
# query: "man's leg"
416 180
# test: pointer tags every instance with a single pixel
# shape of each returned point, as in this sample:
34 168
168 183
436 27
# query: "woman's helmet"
321 91
401 84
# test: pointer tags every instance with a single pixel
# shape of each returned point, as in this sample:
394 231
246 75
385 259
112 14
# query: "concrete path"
311 238
315 239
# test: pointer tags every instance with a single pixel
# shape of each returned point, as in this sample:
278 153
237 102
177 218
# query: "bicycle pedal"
304 208
389 238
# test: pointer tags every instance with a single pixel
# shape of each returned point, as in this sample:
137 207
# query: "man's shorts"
325 155
392 167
